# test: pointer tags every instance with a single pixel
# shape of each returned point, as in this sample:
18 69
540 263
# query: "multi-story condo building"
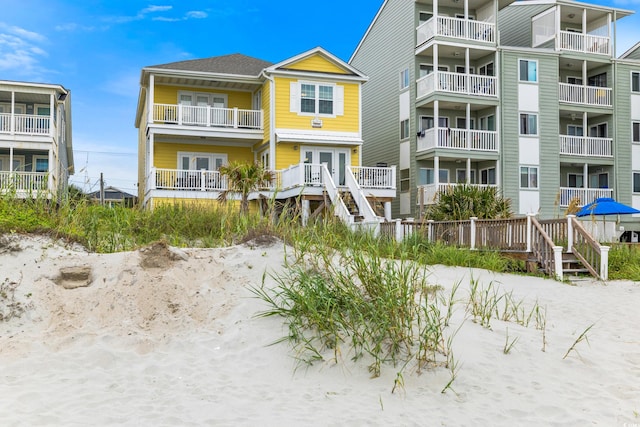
527 96
36 154
300 118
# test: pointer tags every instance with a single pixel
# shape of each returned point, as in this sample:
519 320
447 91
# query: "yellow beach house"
36 154
300 118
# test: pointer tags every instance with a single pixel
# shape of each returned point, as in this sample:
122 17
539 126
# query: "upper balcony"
585 95
583 146
584 43
456 28
458 139
457 83
25 124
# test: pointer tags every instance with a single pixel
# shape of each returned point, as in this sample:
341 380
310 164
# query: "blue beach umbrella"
606 206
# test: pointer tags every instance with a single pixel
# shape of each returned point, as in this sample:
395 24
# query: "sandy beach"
169 337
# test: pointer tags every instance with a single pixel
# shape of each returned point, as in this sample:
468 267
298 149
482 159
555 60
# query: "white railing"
457 28
430 191
580 94
466 84
459 139
375 177
583 195
587 43
27 124
586 146
186 180
23 181
340 209
360 199
207 116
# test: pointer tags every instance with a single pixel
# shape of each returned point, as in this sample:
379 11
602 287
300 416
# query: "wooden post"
101 189
399 230
604 262
472 236
529 225
430 230
557 259
570 233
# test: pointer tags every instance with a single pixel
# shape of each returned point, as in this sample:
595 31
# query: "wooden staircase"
347 199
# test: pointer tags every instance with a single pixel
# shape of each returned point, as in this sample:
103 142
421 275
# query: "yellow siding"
142 140
349 122
266 108
319 63
286 155
169 95
166 154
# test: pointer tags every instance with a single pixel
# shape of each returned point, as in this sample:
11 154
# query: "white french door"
336 160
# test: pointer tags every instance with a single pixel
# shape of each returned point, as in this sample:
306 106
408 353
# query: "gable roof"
349 70
236 64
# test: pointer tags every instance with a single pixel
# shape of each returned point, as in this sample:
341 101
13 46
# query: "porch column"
150 98
466 18
435 13
50 170
436 80
468 175
51 107
497 173
13 115
436 171
585 177
387 211
11 159
558 19
306 211
466 61
584 87
436 122
467 121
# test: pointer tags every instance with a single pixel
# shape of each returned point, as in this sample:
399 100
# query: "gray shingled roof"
235 63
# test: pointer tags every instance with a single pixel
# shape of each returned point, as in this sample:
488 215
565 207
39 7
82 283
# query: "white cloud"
196 14
20 51
153 8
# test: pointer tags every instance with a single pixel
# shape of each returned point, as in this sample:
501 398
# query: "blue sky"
96 48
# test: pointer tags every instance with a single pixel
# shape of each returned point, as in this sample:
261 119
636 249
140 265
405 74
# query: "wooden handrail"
586 249
542 247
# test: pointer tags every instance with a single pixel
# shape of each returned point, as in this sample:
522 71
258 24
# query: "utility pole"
101 190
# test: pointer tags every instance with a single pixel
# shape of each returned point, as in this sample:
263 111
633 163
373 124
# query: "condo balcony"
458 139
456 28
585 95
584 146
25 124
584 196
584 43
457 83
430 191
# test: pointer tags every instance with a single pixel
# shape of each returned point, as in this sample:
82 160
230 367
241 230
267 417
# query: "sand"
169 337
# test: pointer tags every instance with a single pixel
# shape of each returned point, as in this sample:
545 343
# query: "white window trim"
631 73
575 126
485 66
573 77
36 157
472 172
404 180
537 124
598 175
211 156
486 120
19 157
338 98
401 77
471 120
535 82
210 95
408 130
632 190
537 168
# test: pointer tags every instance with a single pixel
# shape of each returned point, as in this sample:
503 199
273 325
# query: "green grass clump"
624 262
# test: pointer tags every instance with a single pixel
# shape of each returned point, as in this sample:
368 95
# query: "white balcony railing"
23 181
458 28
25 124
207 116
588 95
375 177
430 191
586 146
583 195
459 139
186 180
586 43
465 84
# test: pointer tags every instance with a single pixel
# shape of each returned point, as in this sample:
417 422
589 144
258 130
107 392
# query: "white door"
335 159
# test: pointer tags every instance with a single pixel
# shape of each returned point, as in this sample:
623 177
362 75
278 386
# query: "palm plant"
243 178
460 202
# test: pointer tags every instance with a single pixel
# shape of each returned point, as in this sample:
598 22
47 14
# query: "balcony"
24 124
464 84
206 116
584 43
457 28
585 95
458 139
23 183
430 191
586 146
584 195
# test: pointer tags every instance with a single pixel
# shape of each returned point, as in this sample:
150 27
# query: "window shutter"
294 103
339 100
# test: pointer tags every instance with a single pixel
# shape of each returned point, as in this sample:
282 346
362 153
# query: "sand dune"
166 337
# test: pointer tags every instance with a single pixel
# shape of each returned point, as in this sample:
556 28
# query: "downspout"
272 114
614 99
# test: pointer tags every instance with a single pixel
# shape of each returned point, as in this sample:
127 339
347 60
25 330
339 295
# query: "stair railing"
341 210
548 255
364 208
593 256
